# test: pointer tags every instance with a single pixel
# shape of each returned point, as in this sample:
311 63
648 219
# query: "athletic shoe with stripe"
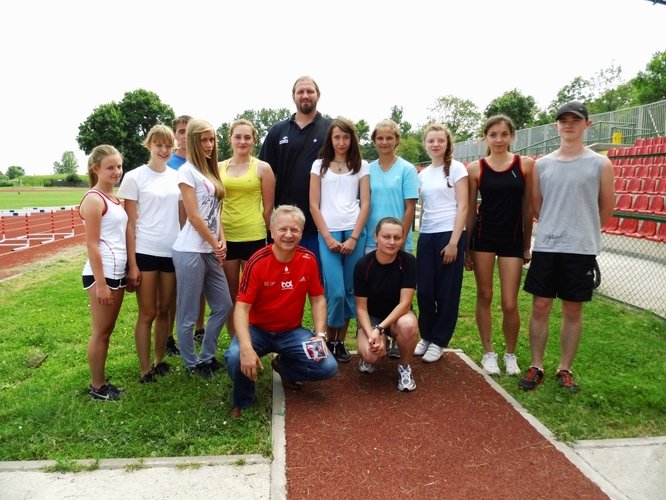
532 378
406 382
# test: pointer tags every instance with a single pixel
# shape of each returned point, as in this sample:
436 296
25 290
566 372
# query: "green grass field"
29 197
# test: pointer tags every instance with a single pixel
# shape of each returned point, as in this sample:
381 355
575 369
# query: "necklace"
339 165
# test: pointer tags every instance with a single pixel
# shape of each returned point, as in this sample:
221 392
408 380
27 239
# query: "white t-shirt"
439 200
156 195
339 199
188 239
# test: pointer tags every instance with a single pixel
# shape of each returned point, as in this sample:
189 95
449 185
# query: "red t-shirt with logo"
277 290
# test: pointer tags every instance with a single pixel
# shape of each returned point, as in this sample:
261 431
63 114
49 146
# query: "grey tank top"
569 218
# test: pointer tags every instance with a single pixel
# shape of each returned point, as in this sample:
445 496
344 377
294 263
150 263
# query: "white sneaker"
489 363
421 347
406 382
433 353
511 364
365 367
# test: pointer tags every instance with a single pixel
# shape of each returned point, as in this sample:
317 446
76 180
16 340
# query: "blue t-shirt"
388 192
176 161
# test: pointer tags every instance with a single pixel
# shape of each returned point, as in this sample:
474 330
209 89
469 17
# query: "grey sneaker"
433 353
489 363
421 347
364 367
511 364
406 382
394 352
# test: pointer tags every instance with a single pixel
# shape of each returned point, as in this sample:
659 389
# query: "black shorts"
89 280
153 263
375 321
243 250
567 276
499 248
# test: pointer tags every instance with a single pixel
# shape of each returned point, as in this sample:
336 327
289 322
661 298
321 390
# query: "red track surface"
357 437
45 233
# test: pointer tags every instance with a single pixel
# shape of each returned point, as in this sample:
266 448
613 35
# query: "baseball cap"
575 107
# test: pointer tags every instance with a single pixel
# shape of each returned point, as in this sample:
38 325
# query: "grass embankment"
36 197
45 412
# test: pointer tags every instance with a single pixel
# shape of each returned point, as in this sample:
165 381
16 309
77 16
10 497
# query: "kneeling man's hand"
249 363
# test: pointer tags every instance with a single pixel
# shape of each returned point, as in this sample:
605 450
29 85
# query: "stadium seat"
644 150
631 151
633 185
627 227
661 186
617 171
646 229
659 149
620 184
641 171
623 202
653 170
639 142
612 153
648 141
611 225
650 185
628 171
656 206
640 204
636 160
660 233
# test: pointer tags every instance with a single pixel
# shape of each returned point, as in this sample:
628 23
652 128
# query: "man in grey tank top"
573 196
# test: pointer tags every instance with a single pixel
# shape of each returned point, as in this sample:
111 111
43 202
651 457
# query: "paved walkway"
622 468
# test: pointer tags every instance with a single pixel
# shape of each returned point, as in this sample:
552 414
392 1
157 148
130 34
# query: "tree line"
125 124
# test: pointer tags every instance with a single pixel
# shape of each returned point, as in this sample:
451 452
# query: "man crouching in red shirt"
269 312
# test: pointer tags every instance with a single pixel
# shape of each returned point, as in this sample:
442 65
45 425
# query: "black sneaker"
199 335
341 353
566 381
161 369
171 347
394 351
215 365
148 378
532 378
104 393
203 370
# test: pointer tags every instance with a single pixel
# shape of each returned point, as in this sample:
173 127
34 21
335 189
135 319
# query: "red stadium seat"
623 202
620 184
641 171
648 141
617 171
660 233
634 185
653 170
640 203
631 151
644 150
659 149
628 227
628 171
647 229
661 186
611 225
650 185
657 205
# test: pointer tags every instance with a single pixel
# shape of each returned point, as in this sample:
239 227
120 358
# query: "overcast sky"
216 59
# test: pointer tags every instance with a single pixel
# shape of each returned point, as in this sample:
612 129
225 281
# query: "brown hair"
327 153
496 120
390 124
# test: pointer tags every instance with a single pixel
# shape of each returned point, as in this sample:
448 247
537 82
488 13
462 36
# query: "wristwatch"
380 329
323 335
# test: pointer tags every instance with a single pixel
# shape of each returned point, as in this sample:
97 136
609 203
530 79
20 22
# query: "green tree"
14 172
125 125
520 108
67 165
650 85
460 116
262 120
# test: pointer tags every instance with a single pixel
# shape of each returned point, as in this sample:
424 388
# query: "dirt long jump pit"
357 437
